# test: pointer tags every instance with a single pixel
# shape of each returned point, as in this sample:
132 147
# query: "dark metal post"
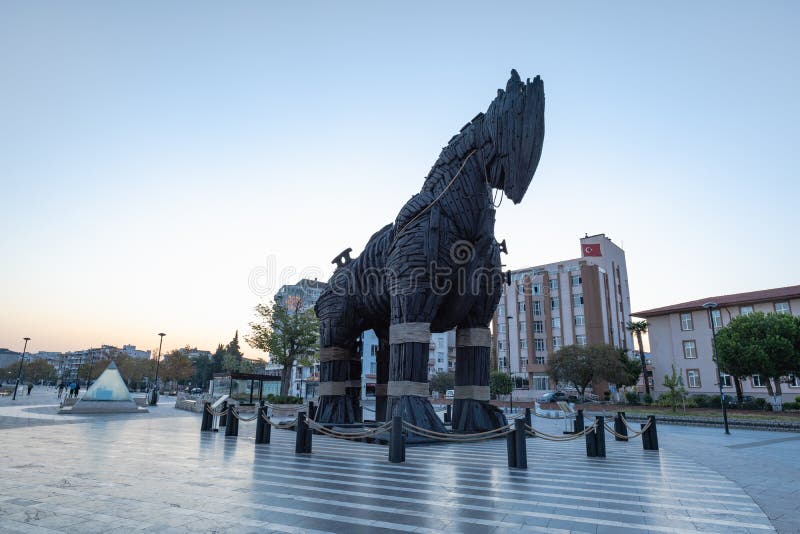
577 424
232 428
154 396
591 444
397 442
223 419
206 424
511 447
19 373
600 436
448 414
302 442
650 436
528 419
619 427
519 438
711 306
263 428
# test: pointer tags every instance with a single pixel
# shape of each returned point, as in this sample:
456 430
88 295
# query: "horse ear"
514 81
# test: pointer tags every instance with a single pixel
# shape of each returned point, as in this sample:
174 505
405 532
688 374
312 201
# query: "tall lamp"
19 373
710 306
154 392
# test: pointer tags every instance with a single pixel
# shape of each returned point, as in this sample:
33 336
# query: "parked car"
196 391
557 396
449 394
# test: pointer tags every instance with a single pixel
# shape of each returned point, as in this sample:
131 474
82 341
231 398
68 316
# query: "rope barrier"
348 435
479 436
217 414
633 429
532 431
245 419
635 433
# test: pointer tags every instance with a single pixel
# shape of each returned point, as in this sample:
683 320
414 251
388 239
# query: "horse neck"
460 186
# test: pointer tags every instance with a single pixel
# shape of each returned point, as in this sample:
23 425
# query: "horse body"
437 267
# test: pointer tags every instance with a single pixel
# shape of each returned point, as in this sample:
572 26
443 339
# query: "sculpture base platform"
102 407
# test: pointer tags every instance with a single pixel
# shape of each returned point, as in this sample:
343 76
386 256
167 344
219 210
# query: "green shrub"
714 401
289 399
761 403
648 399
700 400
797 400
606 395
790 406
632 397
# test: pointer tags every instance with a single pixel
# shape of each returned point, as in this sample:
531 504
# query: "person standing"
60 389
30 387
72 389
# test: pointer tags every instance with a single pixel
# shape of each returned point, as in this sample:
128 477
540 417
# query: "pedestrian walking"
61 388
72 389
77 388
30 387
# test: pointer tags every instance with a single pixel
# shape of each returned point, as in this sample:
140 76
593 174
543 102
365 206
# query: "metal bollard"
223 419
600 436
448 414
519 439
591 444
528 420
397 441
206 423
312 410
302 443
619 427
511 446
263 428
577 424
650 436
232 428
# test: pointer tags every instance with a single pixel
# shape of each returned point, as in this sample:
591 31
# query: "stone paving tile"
160 474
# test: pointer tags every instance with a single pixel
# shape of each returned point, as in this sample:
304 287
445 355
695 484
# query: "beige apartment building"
680 334
580 301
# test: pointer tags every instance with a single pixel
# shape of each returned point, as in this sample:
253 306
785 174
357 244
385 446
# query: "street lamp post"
154 393
710 306
19 373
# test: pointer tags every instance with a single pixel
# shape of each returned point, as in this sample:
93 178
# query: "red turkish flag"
591 249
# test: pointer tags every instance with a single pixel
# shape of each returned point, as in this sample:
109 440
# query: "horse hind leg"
339 367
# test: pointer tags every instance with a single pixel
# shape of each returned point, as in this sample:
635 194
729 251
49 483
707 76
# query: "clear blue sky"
154 154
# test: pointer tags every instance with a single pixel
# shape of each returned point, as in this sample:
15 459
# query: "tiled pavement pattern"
159 473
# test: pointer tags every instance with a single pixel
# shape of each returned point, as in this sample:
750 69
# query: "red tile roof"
751 297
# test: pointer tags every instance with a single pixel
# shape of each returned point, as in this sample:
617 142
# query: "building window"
693 378
727 380
716 317
536 289
576 281
555 322
372 368
499 345
554 283
556 342
521 289
373 350
782 307
689 349
686 322
577 300
540 360
523 363
538 327
523 344
758 381
554 304
580 340
745 310
502 362
537 307
522 307
501 328
522 327
579 321
541 382
540 345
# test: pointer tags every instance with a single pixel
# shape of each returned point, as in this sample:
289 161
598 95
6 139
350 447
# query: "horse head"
510 136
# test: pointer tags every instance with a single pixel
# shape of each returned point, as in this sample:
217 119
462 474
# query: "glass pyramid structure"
109 386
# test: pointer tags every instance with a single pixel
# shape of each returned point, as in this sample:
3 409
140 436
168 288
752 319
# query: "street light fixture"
19 373
710 306
154 392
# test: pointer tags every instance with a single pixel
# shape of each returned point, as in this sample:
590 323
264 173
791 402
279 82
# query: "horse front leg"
471 409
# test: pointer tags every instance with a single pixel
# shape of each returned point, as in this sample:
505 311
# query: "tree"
37 370
639 328
500 383
233 347
217 359
442 381
674 383
630 370
580 365
96 367
287 337
177 366
760 344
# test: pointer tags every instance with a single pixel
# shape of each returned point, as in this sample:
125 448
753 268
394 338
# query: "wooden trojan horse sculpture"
436 268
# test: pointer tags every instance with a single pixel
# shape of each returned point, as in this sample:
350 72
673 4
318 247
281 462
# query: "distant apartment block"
579 301
680 335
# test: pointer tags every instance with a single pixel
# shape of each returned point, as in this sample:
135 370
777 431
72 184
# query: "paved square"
157 472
